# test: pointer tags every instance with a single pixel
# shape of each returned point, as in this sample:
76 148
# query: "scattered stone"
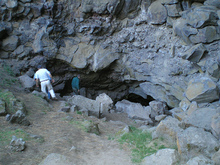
19 118
16 144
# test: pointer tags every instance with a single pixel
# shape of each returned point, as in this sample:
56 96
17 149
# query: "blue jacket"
75 83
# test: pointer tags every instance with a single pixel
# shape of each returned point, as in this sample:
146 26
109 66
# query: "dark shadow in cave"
138 99
67 90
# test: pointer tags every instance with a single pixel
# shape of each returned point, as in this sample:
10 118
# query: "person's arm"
77 84
51 78
37 80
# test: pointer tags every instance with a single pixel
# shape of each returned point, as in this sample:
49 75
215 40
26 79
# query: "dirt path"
61 135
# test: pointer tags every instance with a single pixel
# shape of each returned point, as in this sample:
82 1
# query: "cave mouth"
138 99
67 90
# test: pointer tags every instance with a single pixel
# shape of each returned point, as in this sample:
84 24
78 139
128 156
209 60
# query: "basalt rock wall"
145 47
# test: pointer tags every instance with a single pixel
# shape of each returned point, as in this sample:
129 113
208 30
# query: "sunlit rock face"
119 47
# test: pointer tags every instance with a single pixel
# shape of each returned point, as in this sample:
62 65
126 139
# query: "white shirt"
42 74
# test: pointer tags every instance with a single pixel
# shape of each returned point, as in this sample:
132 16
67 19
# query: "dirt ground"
62 136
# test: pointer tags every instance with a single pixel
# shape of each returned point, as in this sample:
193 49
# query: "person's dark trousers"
75 91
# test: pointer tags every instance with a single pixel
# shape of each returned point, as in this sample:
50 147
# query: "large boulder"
215 3
201 118
105 101
85 103
207 34
202 90
27 82
134 110
10 43
201 16
157 13
195 140
168 129
183 30
164 156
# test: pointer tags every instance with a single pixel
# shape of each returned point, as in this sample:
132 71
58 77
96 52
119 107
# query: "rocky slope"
121 47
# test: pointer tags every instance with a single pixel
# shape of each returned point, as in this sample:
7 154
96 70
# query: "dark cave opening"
139 99
91 84
67 90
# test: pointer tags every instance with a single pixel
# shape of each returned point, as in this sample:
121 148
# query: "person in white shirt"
44 76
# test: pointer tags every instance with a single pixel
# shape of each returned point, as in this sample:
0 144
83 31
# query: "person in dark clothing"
75 85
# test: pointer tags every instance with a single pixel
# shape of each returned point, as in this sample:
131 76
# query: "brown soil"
62 136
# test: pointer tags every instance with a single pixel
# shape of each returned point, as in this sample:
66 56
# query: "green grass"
80 124
141 144
8 70
6 136
9 99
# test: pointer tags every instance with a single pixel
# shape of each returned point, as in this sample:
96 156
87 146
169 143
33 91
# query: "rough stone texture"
215 125
158 108
134 110
205 35
212 3
10 43
202 118
169 128
195 140
184 104
157 13
164 156
173 10
85 103
19 118
27 82
17 144
195 53
202 90
105 101
56 159
201 16
216 157
200 160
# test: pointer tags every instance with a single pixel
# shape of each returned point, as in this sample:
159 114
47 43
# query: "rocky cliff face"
121 47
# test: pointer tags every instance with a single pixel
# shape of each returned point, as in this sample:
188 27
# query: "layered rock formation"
143 47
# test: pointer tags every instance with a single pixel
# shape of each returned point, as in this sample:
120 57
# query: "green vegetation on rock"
141 143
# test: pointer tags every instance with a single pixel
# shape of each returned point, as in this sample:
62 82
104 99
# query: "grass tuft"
141 144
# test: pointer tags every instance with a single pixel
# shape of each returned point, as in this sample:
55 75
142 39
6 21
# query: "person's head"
78 75
39 67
